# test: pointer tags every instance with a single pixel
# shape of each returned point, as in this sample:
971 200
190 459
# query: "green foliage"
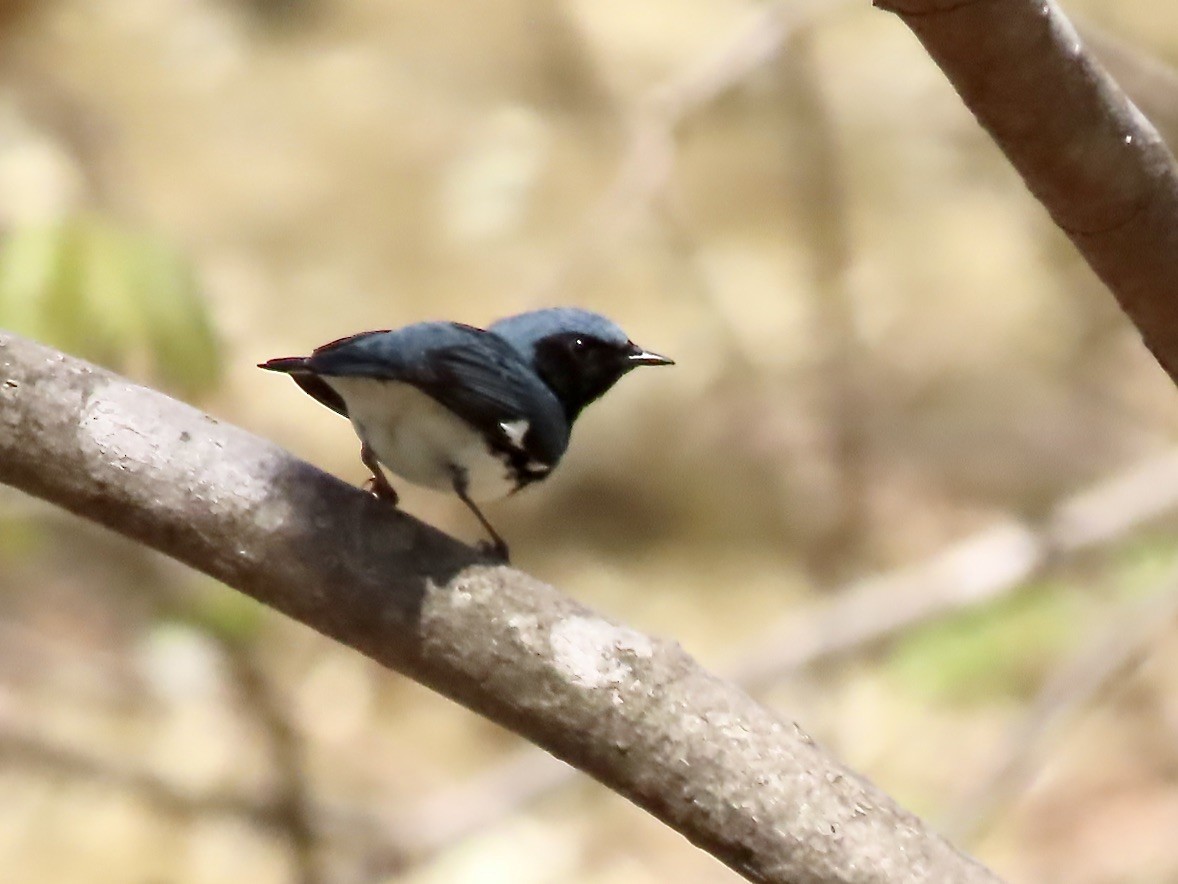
118 297
1143 563
19 538
1003 650
1007 649
228 615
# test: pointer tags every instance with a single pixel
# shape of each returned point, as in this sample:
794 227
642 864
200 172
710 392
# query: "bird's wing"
492 387
475 374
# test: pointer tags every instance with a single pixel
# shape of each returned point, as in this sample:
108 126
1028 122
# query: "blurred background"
913 479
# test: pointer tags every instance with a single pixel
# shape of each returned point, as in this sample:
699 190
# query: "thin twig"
1074 687
815 152
648 159
26 750
292 801
441 820
983 568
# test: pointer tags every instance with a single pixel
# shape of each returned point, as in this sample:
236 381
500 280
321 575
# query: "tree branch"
634 712
1083 149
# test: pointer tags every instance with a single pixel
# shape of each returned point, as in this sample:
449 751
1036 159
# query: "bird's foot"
495 549
382 490
378 486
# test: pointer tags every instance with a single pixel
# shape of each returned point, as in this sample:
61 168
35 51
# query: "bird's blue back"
477 375
391 353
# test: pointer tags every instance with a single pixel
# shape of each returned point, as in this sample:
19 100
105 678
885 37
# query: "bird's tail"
312 384
286 364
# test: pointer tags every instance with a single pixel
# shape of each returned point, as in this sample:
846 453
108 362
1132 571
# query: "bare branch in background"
33 751
25 751
292 800
815 152
1077 685
430 826
981 569
648 159
635 712
1083 149
28 656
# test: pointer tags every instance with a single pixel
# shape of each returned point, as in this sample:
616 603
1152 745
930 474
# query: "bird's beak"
638 356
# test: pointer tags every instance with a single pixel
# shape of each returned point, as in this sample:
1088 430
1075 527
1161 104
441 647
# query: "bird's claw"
495 549
382 491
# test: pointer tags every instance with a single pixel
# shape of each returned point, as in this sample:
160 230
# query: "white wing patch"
515 431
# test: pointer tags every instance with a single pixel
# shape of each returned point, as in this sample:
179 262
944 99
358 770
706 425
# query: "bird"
453 407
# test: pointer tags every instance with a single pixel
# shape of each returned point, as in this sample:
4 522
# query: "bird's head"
577 353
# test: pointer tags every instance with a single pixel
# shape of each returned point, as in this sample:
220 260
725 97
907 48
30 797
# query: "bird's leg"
497 547
378 486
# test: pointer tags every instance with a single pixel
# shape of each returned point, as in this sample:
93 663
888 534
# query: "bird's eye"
578 345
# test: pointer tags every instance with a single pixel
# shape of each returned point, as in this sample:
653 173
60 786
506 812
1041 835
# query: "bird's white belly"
419 439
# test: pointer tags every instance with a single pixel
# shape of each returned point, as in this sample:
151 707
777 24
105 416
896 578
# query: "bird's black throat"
580 369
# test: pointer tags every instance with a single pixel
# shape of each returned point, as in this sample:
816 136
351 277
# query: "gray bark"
636 713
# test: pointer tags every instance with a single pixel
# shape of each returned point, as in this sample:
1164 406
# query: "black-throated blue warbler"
482 412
